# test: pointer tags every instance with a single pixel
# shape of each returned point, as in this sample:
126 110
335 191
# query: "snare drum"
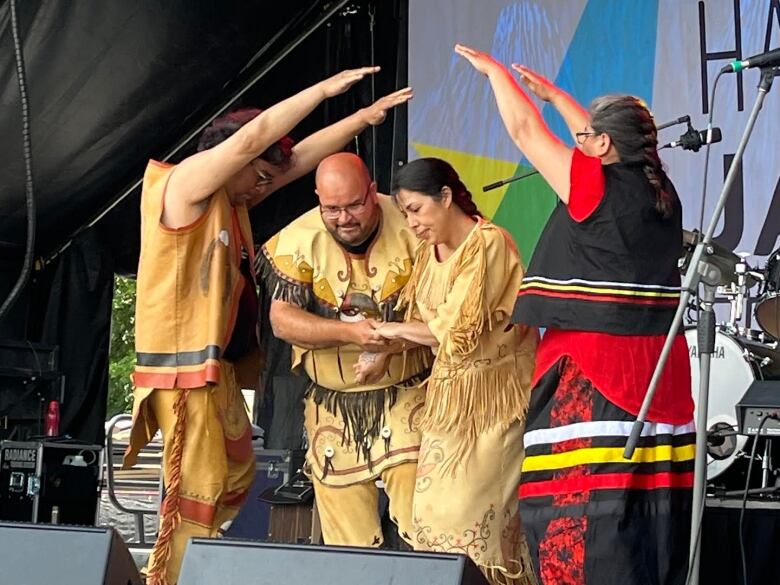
735 365
768 308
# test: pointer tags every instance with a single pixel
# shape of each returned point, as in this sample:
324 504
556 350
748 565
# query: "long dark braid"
631 128
429 176
461 196
653 168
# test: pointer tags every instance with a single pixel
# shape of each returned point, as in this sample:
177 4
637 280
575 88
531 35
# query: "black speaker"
238 562
44 554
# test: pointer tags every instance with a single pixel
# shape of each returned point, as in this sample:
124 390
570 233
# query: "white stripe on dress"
529 279
607 428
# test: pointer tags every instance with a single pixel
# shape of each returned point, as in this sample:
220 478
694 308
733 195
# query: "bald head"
347 198
340 171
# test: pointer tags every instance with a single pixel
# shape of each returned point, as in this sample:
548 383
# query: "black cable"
765 418
28 183
371 23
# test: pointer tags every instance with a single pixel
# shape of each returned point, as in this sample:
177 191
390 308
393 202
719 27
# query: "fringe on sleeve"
279 287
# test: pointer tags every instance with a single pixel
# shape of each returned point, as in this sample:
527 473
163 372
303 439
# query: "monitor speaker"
45 554
238 562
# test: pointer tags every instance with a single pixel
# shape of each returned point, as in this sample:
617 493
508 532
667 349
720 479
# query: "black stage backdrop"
114 83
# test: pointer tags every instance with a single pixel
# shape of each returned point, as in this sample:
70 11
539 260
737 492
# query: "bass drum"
768 308
734 366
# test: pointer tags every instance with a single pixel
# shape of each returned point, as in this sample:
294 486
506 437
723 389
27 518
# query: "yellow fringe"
463 400
466 402
431 292
171 515
475 314
408 296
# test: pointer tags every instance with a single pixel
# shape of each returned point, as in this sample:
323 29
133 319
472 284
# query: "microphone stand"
700 270
681 120
502 182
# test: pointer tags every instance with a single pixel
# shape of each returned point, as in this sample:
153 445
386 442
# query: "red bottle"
52 425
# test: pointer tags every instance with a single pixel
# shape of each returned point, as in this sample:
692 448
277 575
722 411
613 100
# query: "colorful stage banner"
665 51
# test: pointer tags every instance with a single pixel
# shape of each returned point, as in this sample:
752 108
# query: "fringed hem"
171 515
280 287
363 413
467 402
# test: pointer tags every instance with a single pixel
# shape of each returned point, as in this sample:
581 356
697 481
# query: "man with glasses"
335 273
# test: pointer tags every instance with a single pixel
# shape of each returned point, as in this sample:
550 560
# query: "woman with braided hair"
604 283
459 301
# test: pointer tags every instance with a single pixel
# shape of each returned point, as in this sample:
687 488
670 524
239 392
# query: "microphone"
768 59
694 139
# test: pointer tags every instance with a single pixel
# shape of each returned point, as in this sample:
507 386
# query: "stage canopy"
110 85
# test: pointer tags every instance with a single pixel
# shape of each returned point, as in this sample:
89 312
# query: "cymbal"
723 258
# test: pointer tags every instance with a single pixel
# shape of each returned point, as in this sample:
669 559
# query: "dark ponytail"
428 176
630 126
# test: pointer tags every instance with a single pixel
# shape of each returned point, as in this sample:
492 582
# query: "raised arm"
524 122
199 176
575 116
309 152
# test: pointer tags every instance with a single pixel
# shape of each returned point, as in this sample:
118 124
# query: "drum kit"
742 356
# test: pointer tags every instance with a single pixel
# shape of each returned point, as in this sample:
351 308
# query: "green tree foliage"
121 357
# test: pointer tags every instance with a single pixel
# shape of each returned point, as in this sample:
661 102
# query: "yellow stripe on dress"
608 455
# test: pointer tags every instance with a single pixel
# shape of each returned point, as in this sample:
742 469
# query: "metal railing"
146 475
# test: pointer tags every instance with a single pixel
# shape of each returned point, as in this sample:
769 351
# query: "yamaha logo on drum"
719 352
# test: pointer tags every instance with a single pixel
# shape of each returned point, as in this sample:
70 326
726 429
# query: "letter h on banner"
719 56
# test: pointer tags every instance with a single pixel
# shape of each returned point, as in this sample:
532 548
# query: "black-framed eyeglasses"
334 211
582 136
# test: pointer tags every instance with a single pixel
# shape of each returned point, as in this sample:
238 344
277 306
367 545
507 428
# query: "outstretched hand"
341 82
363 334
377 112
482 62
539 85
386 332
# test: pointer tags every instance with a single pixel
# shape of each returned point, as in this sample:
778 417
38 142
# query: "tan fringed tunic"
469 467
